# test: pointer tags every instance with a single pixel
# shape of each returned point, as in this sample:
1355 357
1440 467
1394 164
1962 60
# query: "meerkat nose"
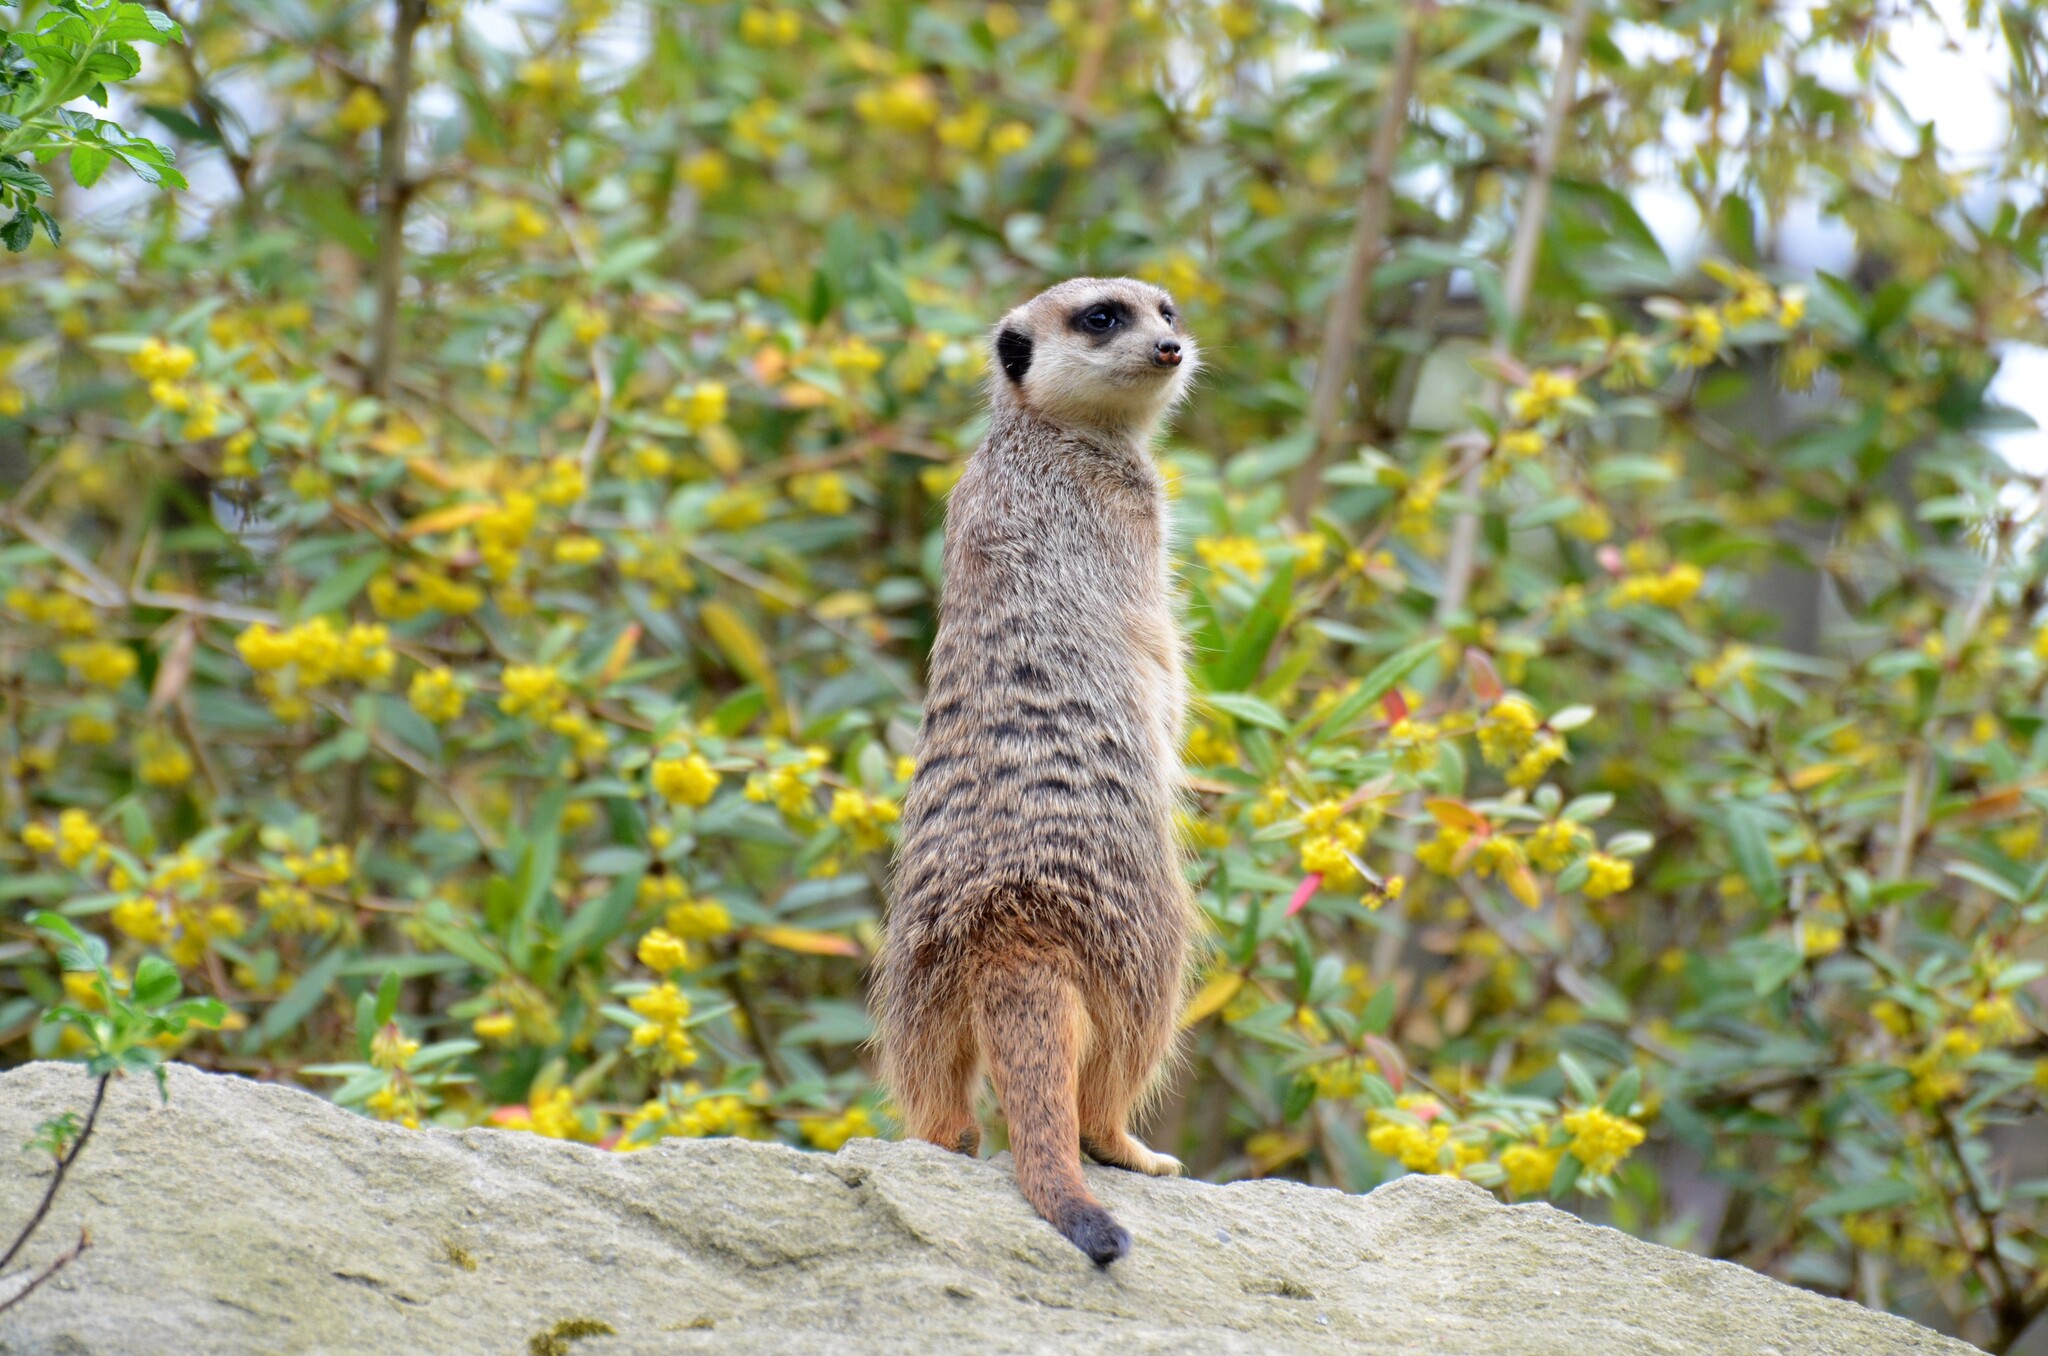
1168 353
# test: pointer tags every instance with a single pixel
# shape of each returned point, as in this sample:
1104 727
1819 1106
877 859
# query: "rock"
249 1217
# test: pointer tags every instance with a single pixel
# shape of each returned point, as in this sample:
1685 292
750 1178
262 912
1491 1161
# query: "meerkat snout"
1166 353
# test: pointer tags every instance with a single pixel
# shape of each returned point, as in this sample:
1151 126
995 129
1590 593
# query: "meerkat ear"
1013 351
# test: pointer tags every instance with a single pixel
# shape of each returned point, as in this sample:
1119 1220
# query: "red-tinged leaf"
1304 892
1456 814
1610 560
1395 705
806 941
1392 1067
1480 673
621 655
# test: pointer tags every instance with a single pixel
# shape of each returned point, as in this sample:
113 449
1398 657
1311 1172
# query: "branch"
392 192
62 1260
1521 274
57 1180
1345 316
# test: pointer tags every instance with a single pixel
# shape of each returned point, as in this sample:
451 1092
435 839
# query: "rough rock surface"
247 1217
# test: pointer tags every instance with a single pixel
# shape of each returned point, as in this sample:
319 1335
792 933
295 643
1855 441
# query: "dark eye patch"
1013 351
1098 320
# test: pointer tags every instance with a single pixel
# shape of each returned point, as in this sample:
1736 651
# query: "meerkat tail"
1031 1027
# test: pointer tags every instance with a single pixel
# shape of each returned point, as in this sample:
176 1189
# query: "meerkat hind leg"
1111 1082
938 1079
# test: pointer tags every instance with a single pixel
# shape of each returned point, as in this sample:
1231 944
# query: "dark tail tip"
1091 1229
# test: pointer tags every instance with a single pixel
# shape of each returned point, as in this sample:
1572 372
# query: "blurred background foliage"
467 560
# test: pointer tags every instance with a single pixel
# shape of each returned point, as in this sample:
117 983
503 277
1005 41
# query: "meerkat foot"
1126 1151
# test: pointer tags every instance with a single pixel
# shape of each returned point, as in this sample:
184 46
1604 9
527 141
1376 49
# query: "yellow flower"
534 690
698 919
907 104
863 817
391 1048
832 1135
361 112
685 781
663 951
707 171
770 27
1552 847
1546 392
1009 138
1607 876
1241 552
159 361
824 493
1529 1168
578 551
161 760
1508 729
436 694
100 662
78 839
700 406
1601 1139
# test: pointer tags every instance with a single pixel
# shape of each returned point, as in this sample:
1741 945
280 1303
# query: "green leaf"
300 1000
1880 1194
1246 656
156 982
1747 837
337 590
387 1000
1248 708
1623 1094
1384 677
88 163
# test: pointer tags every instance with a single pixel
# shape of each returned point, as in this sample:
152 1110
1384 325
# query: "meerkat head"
1105 353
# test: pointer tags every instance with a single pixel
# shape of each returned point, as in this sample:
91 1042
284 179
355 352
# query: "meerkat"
1041 918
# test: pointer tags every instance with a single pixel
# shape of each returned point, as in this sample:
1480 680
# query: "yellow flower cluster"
161 760
865 818
1671 587
411 592
1607 875
1530 1168
1329 842
398 1102
831 1135
55 608
75 841
1429 1148
698 919
159 361
662 951
1242 553
788 787
1601 1139
1415 744
532 690
663 1010
689 780
501 533
907 104
317 654
102 663
1545 395
1552 847
437 694
554 1114
825 493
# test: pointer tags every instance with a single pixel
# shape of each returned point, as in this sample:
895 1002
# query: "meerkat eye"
1101 320
1166 314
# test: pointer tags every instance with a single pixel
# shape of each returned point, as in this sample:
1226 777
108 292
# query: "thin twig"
62 1260
99 1095
1521 274
1346 314
392 193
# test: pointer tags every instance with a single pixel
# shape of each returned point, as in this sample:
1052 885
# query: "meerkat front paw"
1159 1165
